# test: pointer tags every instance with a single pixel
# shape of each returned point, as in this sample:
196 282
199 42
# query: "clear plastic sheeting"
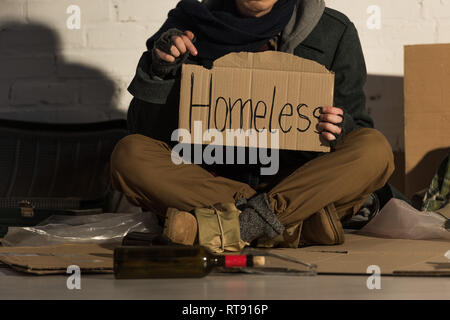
399 220
106 228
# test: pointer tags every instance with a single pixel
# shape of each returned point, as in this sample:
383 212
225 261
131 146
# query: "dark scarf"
221 31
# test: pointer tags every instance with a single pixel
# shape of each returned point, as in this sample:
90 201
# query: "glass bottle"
174 261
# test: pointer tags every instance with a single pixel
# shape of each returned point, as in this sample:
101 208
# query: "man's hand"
329 121
182 44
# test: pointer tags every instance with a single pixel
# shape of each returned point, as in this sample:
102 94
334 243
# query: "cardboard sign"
258 91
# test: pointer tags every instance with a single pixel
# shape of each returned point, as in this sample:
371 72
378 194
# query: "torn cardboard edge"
256 93
91 258
41 272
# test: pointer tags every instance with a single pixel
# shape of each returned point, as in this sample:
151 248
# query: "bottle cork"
259 261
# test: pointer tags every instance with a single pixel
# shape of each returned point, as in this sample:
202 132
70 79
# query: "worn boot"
323 227
257 219
180 227
217 224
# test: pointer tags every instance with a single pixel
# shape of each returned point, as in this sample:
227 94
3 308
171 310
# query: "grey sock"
257 219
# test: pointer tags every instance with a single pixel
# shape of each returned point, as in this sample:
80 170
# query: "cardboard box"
268 90
427 113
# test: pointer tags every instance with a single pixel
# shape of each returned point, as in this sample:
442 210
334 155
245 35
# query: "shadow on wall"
385 103
422 174
37 84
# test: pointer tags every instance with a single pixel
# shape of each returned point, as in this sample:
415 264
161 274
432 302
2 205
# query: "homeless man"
228 207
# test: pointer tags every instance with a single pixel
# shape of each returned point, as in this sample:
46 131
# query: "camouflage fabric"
438 195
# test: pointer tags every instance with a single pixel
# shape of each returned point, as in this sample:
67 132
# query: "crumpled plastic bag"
397 219
105 228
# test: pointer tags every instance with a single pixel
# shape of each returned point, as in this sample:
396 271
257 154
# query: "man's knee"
131 149
375 151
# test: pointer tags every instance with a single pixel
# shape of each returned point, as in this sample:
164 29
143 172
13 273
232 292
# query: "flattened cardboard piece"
427 113
90 258
393 256
267 90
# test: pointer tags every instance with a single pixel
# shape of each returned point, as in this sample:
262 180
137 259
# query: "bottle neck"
233 261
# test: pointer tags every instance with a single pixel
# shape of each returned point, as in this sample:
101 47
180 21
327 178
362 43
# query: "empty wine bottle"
174 261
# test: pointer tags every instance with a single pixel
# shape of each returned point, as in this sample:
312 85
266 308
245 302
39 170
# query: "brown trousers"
361 163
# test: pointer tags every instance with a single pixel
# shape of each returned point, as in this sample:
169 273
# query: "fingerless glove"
162 69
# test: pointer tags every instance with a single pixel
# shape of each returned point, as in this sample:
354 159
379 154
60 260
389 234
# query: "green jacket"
333 42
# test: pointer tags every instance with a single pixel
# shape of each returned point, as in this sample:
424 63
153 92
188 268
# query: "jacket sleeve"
147 88
154 109
350 77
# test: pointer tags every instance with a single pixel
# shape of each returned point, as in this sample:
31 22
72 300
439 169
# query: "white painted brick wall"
51 73
403 22
12 9
143 10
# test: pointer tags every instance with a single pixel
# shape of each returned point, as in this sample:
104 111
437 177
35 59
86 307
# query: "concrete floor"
15 285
